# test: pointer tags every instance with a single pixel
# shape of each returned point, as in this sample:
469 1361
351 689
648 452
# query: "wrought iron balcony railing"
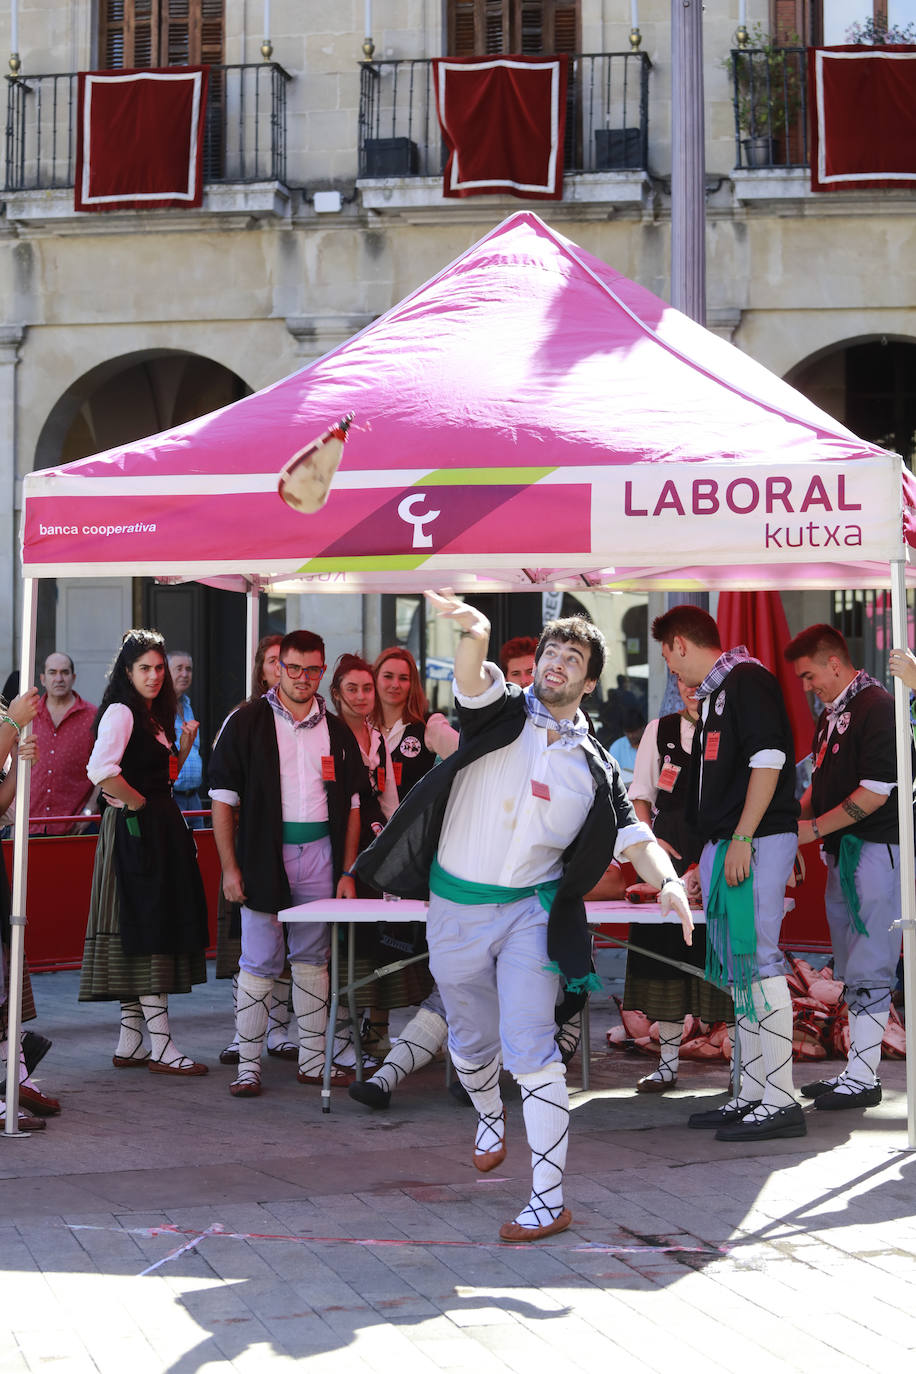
244 133
770 98
607 116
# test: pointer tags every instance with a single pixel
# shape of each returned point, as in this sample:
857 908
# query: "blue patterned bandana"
311 720
722 667
571 732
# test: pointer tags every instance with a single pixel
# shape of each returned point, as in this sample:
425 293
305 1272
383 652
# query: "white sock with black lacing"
481 1083
163 1048
130 1040
234 1042
866 1032
417 1045
773 1005
310 1004
545 1105
279 1014
750 1088
251 1013
670 1034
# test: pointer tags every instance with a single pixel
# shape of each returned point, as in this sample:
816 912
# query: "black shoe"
787 1122
719 1116
459 1092
34 1049
816 1089
370 1095
844 1102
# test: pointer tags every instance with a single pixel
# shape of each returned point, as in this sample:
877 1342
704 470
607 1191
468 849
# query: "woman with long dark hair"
147 932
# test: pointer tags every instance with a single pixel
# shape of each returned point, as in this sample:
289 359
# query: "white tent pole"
252 623
905 813
20 870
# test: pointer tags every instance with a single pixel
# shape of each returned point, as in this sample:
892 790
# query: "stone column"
11 337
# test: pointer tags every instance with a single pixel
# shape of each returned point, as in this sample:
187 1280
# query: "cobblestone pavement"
160 1225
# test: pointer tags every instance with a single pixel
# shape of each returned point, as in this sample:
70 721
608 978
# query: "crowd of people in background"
510 821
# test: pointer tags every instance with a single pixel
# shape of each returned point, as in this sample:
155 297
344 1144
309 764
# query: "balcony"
607 130
244 167
770 99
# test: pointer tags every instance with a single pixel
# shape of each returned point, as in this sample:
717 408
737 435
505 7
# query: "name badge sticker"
540 790
398 771
668 776
327 768
711 752
820 755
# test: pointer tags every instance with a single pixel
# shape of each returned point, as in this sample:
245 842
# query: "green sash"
730 928
847 863
303 832
467 893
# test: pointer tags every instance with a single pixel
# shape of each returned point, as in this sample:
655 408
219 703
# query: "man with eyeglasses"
293 774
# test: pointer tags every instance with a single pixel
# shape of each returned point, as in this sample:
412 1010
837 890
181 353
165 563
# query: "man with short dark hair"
186 787
507 835
850 809
63 727
294 773
743 802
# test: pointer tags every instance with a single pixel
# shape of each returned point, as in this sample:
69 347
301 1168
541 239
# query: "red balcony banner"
863 118
139 139
503 120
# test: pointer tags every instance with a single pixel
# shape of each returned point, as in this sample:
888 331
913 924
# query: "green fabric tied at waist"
730 928
847 863
467 893
303 832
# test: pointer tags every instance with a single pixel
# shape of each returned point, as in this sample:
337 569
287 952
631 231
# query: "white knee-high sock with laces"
867 1025
481 1083
310 1004
669 1051
279 1014
252 999
750 1088
773 1005
163 1048
133 1025
545 1105
418 1044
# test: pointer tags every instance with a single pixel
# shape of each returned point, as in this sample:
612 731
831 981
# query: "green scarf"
730 929
847 863
467 893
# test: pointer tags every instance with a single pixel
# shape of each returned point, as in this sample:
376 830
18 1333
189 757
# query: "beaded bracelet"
745 839
8 720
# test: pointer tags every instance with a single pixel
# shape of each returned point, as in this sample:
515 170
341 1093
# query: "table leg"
351 1002
585 1046
331 1026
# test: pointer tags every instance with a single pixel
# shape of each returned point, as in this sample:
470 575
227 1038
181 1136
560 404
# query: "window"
160 33
829 21
512 26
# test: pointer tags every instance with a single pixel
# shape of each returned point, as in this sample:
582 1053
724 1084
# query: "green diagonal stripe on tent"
400 562
484 477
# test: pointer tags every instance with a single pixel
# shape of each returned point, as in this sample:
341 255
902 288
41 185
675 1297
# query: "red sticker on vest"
380 779
327 768
711 752
669 776
540 790
174 770
398 770
820 755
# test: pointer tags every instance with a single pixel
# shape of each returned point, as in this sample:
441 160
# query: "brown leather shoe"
655 1085
190 1070
340 1078
285 1051
26 1122
129 1061
39 1102
512 1231
246 1087
230 1055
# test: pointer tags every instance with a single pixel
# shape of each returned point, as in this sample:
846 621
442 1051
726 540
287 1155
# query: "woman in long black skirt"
147 932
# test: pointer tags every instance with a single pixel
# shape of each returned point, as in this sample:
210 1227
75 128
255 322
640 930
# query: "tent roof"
527 416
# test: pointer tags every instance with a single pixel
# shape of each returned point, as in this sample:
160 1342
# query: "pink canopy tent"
527 417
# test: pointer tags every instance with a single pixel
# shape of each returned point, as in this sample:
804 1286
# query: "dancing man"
507 835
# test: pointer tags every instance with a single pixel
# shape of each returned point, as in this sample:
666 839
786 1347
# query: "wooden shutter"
160 33
526 26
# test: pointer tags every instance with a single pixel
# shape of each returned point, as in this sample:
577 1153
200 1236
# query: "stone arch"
868 382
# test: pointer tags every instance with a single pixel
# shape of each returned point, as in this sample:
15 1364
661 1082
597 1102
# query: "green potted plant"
766 84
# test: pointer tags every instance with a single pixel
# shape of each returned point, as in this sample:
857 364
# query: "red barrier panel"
57 900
